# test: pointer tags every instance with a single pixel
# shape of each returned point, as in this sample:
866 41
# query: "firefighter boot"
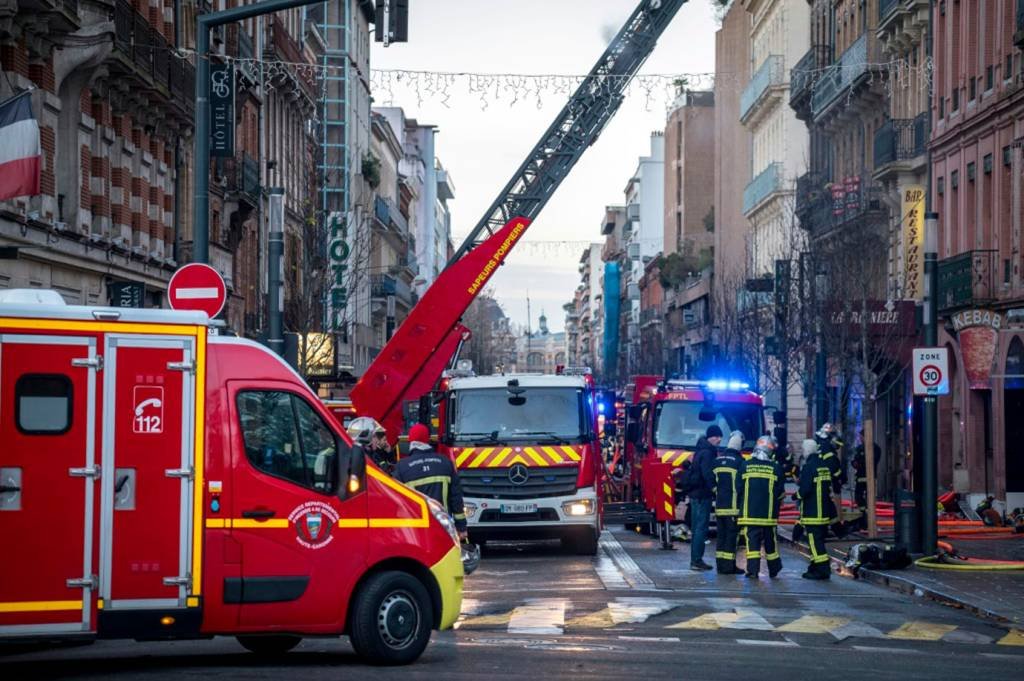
771 549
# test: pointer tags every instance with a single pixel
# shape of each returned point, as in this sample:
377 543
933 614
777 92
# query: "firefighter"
817 511
728 470
380 451
829 444
433 474
762 491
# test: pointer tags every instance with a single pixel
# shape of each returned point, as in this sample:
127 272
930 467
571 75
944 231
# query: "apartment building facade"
976 168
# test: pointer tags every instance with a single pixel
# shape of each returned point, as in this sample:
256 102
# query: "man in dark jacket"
702 493
728 470
763 488
433 474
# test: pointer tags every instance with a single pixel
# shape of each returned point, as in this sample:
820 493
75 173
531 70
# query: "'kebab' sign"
978 333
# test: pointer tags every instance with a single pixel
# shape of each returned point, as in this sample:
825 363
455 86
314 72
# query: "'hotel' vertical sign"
222 110
912 211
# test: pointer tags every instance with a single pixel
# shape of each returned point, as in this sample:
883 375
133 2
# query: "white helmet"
362 428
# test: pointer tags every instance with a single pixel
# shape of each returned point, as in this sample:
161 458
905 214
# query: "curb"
897 583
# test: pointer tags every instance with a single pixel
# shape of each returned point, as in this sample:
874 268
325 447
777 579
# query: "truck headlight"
578 507
470 509
444 519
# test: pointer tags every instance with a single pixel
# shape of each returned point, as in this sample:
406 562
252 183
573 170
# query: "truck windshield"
540 415
679 424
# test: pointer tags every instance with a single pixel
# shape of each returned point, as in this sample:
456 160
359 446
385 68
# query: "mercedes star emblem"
518 474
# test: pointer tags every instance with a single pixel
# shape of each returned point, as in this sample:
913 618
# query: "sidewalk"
998 595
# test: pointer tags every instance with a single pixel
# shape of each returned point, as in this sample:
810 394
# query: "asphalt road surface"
633 612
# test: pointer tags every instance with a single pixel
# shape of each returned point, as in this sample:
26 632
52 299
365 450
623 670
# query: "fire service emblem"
313 522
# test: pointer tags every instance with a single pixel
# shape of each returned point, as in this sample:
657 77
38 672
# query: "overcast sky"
482 147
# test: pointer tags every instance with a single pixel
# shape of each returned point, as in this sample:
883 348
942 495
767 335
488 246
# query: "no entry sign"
197 287
931 371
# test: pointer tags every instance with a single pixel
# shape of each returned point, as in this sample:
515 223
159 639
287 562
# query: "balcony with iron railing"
764 87
900 144
854 67
804 75
384 285
844 203
967 280
143 59
902 24
767 183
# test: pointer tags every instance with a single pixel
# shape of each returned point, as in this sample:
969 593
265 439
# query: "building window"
941 186
42 404
989 77
956 100
954 179
971 171
942 107
987 164
1007 156
1008 67
972 90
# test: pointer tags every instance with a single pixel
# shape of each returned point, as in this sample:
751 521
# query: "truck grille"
493 483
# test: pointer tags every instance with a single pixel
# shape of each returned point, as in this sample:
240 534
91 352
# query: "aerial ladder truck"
412 361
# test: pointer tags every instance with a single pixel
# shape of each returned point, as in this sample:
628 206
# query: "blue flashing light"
722 384
600 407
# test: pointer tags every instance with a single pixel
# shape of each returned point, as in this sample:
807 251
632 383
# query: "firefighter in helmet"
762 491
817 511
728 469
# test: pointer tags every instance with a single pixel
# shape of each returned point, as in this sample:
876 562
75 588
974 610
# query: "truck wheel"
269 646
391 619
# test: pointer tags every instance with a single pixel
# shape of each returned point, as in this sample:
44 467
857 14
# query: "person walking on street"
728 470
764 485
701 491
433 474
817 511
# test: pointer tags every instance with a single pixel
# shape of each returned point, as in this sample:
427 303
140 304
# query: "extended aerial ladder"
412 361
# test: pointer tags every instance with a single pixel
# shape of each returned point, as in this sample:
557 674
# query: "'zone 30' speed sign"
931 371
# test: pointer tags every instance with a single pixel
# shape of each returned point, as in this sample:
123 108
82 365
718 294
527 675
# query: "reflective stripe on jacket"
815 492
762 490
434 475
728 469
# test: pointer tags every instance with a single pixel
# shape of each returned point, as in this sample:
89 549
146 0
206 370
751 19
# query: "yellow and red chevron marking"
675 457
505 457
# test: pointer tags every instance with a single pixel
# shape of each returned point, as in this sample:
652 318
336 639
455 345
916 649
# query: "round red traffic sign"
197 287
930 375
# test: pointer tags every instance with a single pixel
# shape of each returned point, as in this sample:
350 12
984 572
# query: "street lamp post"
930 430
205 22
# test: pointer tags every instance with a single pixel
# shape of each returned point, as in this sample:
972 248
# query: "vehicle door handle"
259 513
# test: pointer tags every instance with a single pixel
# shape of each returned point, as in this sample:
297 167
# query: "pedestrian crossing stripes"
558 616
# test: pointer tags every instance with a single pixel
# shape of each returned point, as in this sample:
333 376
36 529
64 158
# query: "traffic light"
392 22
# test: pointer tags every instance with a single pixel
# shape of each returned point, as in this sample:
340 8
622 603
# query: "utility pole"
204 23
275 272
820 401
930 430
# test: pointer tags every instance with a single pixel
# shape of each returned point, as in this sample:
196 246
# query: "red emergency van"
161 482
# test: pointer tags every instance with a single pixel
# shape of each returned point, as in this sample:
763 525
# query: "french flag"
20 152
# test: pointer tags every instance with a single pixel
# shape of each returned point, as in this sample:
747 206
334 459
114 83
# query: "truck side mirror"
633 432
353 478
611 429
779 417
635 412
425 406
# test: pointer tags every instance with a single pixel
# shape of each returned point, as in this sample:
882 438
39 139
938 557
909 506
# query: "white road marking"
198 293
756 642
881 649
627 566
539 616
629 610
667 639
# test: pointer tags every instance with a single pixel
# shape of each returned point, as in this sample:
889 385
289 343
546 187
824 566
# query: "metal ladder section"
579 124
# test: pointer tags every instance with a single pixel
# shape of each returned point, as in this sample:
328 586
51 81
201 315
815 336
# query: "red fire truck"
528 455
160 482
665 418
